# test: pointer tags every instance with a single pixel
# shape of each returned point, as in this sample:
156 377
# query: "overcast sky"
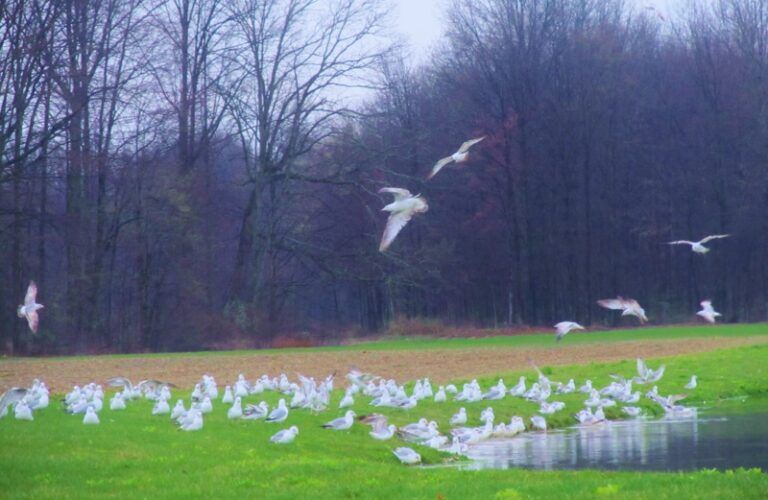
420 22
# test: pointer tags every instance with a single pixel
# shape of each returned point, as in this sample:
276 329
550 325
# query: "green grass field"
395 343
133 454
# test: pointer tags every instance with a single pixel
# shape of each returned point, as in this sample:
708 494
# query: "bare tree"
296 56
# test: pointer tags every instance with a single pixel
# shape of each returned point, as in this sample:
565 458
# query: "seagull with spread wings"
629 307
400 211
708 312
10 397
564 327
698 246
459 156
29 308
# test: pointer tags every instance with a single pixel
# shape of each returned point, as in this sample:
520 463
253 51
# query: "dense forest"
182 174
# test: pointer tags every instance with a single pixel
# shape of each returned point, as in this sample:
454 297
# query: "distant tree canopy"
179 174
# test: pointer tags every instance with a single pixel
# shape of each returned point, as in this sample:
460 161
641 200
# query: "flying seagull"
564 327
400 213
707 311
698 246
629 307
29 308
459 156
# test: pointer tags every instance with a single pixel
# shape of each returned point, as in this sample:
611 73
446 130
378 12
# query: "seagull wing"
395 224
374 419
630 303
713 237
31 296
399 193
380 425
616 304
680 242
120 382
468 144
439 166
33 319
642 368
10 397
277 414
675 398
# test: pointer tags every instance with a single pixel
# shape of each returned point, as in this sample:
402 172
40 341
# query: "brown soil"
438 364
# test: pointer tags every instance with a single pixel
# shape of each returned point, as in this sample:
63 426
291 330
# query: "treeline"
178 174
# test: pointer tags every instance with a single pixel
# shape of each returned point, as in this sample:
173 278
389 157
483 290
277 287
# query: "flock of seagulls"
631 307
406 205
402 209
308 394
382 394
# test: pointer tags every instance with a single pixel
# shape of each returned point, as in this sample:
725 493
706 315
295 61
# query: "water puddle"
725 442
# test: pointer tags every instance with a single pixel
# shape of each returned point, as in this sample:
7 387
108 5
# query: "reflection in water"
722 443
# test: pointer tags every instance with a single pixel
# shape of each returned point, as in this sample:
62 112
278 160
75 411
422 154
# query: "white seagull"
22 411
632 411
279 414
342 423
400 213
256 412
236 411
440 396
564 327
194 421
285 436
383 434
117 402
707 311
629 307
407 455
539 422
459 156
698 246
161 407
692 384
90 417
459 418
29 308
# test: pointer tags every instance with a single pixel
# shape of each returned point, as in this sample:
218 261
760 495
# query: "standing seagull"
707 311
29 308
279 414
459 156
698 246
401 211
343 423
564 327
629 307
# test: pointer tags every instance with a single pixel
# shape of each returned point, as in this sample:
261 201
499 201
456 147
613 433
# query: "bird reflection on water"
665 444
